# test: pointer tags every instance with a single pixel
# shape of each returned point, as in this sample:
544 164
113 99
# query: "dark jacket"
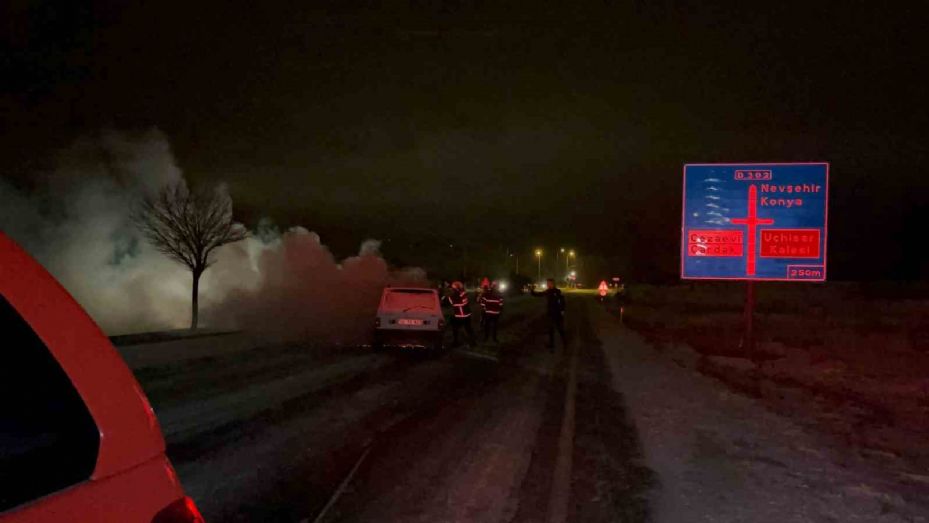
554 301
459 302
492 302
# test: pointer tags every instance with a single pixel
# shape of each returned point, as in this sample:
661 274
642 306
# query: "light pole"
557 253
538 254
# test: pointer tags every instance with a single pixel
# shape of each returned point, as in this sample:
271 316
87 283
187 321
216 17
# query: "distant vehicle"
409 317
78 438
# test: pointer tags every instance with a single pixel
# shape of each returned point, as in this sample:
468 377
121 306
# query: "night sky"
496 128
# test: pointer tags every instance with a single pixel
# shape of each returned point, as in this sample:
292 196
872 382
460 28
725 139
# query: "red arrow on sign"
752 221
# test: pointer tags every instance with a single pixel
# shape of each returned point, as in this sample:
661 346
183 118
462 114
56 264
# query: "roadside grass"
201 378
858 351
162 336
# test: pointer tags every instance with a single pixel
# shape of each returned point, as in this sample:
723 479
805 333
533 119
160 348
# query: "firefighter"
555 306
492 304
461 312
485 286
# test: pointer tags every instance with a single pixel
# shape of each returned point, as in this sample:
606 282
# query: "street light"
538 254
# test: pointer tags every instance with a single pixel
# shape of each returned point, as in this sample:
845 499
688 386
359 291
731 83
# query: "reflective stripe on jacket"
492 302
459 302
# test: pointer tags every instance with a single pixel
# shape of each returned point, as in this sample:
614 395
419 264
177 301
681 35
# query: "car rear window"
406 299
48 439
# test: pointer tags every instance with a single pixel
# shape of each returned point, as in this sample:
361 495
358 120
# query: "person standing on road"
480 301
492 304
555 306
461 312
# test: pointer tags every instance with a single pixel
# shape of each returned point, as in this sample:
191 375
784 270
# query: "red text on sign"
714 243
753 174
806 272
790 243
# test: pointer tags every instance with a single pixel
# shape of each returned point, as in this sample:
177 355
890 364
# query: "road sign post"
754 222
748 335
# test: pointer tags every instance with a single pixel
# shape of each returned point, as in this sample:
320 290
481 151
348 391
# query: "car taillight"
181 511
377 322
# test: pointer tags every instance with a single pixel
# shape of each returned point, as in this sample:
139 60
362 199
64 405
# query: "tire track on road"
561 479
450 460
606 480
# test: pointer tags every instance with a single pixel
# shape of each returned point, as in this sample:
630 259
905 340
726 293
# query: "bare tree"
188 226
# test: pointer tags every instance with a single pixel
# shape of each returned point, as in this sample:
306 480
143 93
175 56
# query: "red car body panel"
132 479
134 495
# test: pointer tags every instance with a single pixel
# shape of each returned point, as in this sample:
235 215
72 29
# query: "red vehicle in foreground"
78 439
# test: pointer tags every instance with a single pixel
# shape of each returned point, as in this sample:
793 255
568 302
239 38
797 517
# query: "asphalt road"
609 428
305 432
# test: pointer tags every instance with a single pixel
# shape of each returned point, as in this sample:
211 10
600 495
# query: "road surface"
605 429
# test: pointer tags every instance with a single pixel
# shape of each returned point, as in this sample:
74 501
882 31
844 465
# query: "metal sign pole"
748 340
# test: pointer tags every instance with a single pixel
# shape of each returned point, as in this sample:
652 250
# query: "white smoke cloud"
292 284
78 226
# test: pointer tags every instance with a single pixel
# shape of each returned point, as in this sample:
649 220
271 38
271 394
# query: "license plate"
404 321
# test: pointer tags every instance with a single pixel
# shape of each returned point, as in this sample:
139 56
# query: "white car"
409 317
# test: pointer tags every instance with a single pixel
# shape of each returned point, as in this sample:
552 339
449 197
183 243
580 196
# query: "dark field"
852 359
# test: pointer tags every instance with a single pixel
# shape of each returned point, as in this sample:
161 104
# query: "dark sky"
501 127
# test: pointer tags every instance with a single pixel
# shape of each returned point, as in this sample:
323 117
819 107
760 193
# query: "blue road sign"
755 221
